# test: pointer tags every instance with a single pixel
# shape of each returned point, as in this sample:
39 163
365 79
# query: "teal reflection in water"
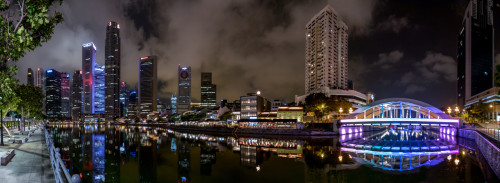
140 154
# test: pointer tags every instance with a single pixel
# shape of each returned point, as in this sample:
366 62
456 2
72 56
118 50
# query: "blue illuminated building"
173 101
99 89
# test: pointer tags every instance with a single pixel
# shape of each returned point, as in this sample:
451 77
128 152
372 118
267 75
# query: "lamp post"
449 111
1 125
340 112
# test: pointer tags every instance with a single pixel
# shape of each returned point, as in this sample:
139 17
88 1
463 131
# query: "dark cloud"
259 45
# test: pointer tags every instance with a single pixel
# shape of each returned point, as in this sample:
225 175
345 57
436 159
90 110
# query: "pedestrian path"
31 162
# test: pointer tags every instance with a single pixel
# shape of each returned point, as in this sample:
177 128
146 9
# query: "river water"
100 153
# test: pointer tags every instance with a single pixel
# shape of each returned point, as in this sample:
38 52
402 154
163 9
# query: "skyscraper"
475 51
30 79
124 98
132 104
112 70
65 95
184 89
208 91
76 96
148 85
99 90
173 104
326 52
88 69
40 78
53 95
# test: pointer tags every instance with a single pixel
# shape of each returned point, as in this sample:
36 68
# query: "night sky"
396 48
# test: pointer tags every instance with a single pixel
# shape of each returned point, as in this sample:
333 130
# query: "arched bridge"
400 112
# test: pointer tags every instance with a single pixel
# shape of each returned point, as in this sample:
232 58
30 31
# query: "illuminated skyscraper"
40 78
99 90
184 89
65 95
30 79
53 95
326 52
88 69
148 85
112 70
173 104
76 96
208 91
475 51
124 98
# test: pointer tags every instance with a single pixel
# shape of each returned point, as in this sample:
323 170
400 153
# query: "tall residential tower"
88 70
208 91
326 52
112 70
30 79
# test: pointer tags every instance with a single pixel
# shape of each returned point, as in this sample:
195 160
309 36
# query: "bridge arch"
399 111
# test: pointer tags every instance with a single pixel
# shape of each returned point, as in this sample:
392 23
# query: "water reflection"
401 149
141 154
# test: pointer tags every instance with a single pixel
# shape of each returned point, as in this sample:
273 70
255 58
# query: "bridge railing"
60 173
491 132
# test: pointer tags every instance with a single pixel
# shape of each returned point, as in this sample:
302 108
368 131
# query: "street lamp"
449 110
340 112
456 109
350 110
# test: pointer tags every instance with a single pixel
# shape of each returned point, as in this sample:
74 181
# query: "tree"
25 25
478 112
8 98
31 98
320 104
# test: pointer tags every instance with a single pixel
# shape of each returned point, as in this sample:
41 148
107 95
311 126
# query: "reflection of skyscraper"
208 91
147 164
65 95
148 85
98 147
113 139
53 94
207 159
475 51
184 89
76 95
124 92
184 161
112 64
250 156
30 79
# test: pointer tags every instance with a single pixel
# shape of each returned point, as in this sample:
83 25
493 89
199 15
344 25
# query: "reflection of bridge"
399 111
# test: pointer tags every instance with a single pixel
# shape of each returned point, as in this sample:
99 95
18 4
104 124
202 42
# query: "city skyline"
378 38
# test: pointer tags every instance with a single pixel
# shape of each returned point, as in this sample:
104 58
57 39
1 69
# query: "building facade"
184 89
252 105
148 85
124 99
30 77
326 52
53 95
88 69
475 55
40 78
100 88
65 95
208 91
76 96
491 99
132 105
173 104
112 71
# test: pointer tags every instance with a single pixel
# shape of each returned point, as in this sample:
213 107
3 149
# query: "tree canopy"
320 104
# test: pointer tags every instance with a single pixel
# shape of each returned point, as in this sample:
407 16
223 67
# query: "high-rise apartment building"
53 95
148 85
208 91
76 96
88 71
30 77
326 52
65 95
184 89
112 70
475 51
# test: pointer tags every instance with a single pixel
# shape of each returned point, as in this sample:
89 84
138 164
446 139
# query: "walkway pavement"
31 162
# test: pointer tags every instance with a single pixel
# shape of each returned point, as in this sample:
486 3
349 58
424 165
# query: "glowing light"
257 168
49 71
340 158
258 92
449 157
457 161
144 58
118 25
399 120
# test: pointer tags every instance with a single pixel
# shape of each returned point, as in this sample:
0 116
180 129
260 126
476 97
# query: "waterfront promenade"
31 162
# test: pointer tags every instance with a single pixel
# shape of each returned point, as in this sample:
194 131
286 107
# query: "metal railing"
491 132
60 173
